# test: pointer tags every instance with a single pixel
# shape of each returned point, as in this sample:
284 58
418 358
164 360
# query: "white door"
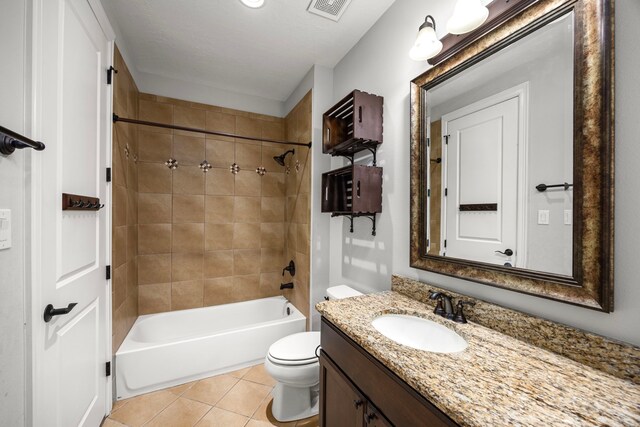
69 251
481 179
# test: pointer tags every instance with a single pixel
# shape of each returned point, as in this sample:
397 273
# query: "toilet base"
295 403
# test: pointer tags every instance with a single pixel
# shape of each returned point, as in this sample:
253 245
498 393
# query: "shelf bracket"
351 217
373 152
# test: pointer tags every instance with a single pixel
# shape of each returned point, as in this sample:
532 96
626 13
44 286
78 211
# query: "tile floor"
237 399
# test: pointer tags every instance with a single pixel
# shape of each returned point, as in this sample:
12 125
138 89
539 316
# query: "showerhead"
280 159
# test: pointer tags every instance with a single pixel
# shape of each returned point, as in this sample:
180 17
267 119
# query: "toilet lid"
296 349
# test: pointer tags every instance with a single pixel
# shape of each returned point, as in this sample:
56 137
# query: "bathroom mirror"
512 156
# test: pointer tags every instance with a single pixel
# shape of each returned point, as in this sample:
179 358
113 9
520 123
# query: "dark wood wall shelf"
353 124
353 191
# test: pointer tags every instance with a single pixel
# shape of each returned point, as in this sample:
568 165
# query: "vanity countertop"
498 380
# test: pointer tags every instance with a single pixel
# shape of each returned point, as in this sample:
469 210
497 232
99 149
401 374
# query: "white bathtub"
168 349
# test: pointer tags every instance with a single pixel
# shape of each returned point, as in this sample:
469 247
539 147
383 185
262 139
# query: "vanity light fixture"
467 16
254 4
427 44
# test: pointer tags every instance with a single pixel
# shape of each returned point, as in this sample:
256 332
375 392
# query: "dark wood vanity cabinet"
357 390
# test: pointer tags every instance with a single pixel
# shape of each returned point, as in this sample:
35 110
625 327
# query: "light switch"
568 216
5 229
543 217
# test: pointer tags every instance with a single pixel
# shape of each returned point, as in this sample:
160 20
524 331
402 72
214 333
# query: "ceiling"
263 52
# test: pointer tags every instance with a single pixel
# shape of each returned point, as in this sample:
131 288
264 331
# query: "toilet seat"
295 350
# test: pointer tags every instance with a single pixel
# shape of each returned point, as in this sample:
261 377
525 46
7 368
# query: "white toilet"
293 362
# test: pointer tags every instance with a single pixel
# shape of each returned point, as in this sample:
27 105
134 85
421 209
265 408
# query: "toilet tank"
342 291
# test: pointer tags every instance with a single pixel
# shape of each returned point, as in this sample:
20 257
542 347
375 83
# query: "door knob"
507 252
49 311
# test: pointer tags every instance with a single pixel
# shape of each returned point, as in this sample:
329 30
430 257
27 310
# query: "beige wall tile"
154 147
154 269
155 298
185 295
272 235
269 151
302 211
132 241
220 182
154 238
218 237
218 264
154 208
221 154
292 236
246 261
120 246
120 200
248 156
272 209
246 126
273 130
188 180
188 150
188 208
186 266
132 207
189 117
119 286
221 122
246 209
219 209
302 238
272 260
270 284
188 238
247 287
219 291
273 185
248 183
246 236
154 178
155 112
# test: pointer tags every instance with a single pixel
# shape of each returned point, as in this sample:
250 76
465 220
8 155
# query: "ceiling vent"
332 9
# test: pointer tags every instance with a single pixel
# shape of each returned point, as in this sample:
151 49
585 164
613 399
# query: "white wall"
12 294
379 63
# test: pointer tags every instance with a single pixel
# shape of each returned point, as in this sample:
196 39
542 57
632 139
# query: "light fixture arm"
426 23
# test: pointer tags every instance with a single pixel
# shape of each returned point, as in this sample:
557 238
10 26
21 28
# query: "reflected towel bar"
9 141
543 187
479 207
117 118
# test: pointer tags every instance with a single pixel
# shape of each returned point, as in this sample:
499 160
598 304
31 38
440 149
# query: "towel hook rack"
10 140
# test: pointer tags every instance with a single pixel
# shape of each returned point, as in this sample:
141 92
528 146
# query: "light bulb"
254 4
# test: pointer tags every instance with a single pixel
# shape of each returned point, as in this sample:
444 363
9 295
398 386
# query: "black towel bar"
9 141
543 187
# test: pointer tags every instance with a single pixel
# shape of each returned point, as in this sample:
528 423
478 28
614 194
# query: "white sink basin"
419 333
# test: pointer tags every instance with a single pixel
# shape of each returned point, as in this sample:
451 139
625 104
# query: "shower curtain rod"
117 118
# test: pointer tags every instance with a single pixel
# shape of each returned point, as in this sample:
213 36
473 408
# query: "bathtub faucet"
291 268
286 285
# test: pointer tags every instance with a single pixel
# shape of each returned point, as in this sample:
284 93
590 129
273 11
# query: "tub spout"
286 285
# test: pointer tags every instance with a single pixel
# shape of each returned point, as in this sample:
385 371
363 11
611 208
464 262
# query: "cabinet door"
341 405
374 418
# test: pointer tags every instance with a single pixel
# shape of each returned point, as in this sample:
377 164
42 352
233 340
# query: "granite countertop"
498 380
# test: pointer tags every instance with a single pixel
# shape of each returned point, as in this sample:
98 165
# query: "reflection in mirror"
497 130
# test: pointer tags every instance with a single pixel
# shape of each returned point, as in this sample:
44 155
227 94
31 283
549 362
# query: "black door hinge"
429 192
445 243
427 242
108 272
446 192
428 142
446 139
108 174
107 369
110 72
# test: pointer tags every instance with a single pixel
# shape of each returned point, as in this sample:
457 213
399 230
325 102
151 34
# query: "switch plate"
568 216
543 217
5 229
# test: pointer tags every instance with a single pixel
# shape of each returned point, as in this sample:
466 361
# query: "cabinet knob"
357 403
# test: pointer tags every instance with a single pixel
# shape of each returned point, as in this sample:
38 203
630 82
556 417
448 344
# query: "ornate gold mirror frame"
591 284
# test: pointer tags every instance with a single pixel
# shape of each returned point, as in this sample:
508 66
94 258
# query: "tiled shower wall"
124 206
208 238
298 209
